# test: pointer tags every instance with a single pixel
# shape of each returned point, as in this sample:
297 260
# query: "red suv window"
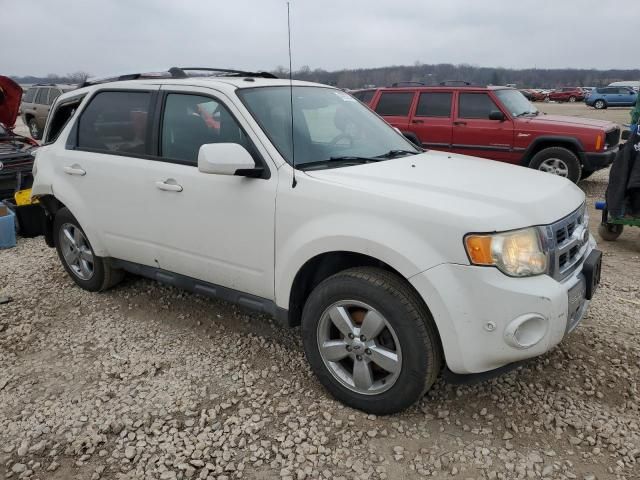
395 104
434 104
475 105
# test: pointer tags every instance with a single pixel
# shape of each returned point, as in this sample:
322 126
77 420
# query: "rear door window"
115 122
434 104
41 96
475 105
394 104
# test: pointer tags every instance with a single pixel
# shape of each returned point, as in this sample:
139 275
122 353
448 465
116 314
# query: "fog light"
526 330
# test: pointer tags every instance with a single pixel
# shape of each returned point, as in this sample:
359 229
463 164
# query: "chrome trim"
567 241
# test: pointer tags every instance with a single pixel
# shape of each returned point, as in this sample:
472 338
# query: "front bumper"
597 161
475 309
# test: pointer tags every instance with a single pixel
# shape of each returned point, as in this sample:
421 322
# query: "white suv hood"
486 195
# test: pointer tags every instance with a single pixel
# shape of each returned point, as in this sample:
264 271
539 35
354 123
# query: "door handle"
417 121
74 169
169 185
458 122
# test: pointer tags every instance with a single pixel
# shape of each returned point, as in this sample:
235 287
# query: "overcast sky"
116 36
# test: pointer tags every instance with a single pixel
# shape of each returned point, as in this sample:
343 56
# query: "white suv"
397 263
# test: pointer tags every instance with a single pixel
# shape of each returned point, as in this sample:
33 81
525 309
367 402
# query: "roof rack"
447 83
179 72
406 84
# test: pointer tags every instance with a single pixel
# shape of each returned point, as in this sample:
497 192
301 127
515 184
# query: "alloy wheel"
76 251
555 166
359 347
33 129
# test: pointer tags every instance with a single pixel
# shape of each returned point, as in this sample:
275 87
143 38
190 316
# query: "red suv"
498 123
567 94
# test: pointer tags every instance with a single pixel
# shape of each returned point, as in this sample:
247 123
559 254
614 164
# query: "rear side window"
41 96
60 117
190 121
115 122
475 105
366 96
395 103
30 95
434 104
53 94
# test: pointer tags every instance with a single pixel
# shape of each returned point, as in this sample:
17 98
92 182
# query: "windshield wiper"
397 153
521 114
337 161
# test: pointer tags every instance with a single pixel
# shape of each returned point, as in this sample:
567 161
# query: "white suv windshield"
330 126
516 103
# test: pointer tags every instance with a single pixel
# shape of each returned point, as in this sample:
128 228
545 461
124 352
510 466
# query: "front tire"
572 99
600 104
558 161
370 340
89 271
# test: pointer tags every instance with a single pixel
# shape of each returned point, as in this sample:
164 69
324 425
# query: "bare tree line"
419 72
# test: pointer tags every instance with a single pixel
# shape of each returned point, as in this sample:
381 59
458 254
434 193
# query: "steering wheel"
339 138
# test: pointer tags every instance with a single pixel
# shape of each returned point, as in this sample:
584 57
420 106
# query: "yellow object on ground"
23 197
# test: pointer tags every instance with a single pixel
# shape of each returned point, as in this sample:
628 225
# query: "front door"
217 228
476 135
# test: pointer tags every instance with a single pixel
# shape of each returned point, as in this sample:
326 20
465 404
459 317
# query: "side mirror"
497 115
227 159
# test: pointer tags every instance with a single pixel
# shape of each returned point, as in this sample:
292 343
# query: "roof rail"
178 72
406 84
447 83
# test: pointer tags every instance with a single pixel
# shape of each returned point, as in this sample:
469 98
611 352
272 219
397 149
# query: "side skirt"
246 300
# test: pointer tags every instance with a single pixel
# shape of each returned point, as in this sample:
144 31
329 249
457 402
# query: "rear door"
395 107
40 107
431 121
474 134
110 173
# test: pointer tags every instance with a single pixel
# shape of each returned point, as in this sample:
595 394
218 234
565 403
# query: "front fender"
397 246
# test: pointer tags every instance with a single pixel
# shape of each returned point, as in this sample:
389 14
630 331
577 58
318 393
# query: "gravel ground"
147 381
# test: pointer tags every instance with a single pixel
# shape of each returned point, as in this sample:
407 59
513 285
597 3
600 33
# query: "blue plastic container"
8 230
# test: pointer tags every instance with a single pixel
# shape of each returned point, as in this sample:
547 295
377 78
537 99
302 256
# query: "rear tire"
600 104
559 161
572 99
89 271
610 232
391 337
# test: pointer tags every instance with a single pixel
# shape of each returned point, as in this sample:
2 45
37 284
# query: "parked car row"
497 123
302 203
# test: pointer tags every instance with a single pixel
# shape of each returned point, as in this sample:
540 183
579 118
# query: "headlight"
518 253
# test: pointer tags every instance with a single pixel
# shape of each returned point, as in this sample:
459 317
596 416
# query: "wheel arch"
324 265
570 143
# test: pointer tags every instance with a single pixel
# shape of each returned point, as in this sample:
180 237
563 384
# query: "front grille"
568 243
612 138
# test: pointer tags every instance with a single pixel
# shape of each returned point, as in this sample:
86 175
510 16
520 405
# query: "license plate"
591 269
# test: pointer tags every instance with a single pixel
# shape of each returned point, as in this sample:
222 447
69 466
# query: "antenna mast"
293 145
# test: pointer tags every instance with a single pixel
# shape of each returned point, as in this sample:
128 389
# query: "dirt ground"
147 381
